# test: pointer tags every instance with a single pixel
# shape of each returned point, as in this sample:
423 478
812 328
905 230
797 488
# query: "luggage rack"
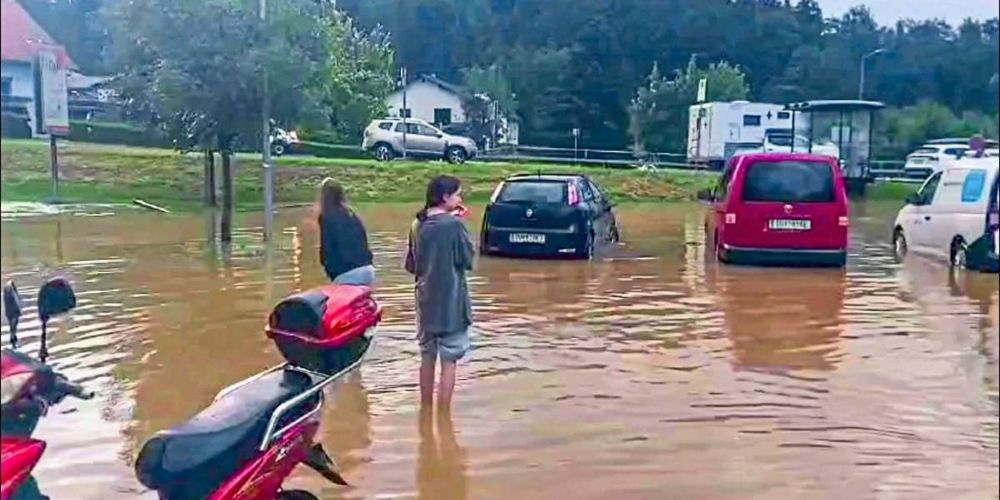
320 381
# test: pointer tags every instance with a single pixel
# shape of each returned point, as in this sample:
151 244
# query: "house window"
751 120
5 89
405 113
442 116
784 115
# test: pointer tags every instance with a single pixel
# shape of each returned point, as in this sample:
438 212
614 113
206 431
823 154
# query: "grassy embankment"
97 173
92 173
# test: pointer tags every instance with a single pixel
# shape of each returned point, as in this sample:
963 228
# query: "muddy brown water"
651 372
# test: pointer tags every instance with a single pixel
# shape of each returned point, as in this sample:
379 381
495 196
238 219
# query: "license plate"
527 238
790 224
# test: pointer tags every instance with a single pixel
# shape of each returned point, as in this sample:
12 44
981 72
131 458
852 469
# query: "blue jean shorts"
451 346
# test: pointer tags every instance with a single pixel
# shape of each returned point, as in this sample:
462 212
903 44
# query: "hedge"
15 126
117 133
328 150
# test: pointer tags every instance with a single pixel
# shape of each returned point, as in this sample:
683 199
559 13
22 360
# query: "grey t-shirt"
441 252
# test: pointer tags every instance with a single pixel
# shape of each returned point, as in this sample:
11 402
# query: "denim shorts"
364 275
450 346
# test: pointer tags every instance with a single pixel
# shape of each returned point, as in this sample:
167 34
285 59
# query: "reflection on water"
652 372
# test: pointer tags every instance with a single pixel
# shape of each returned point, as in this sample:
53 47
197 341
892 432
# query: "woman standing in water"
440 253
343 248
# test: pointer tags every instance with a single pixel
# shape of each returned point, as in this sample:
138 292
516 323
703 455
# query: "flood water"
649 373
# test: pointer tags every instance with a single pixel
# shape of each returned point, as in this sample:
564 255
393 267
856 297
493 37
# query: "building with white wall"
21 38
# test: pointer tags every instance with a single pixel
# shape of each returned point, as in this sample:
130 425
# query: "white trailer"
718 130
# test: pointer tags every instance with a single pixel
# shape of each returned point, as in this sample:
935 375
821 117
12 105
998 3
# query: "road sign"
53 93
702 90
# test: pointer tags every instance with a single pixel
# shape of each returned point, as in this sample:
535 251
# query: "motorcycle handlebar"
66 388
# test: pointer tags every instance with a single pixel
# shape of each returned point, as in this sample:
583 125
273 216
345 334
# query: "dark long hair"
332 197
437 189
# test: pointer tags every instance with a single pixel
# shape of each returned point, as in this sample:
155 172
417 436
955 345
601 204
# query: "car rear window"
385 125
789 182
925 151
533 192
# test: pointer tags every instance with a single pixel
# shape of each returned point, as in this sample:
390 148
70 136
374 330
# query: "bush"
15 126
328 150
324 136
117 133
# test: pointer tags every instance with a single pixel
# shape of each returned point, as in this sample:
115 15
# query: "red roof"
21 36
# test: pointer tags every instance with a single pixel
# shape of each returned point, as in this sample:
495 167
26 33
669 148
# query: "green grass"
99 173
887 191
111 174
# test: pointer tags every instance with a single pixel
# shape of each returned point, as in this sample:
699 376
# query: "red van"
779 209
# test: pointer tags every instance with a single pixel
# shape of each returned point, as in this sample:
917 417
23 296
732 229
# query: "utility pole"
405 111
266 133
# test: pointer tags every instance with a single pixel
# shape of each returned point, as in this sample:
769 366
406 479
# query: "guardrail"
585 156
880 169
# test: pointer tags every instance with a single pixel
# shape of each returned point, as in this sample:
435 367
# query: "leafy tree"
198 64
359 75
659 112
78 25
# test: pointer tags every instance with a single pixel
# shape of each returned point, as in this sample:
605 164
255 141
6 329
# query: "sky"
887 12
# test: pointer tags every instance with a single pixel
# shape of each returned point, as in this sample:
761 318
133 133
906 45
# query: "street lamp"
266 148
861 81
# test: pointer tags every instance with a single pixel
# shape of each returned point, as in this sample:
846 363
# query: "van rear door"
790 203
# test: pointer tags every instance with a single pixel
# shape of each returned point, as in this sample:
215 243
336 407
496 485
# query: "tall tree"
197 64
659 112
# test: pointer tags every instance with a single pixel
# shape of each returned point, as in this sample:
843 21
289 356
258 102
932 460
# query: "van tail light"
731 218
573 195
496 193
844 221
993 220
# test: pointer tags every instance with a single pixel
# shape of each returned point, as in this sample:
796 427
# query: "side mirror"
54 298
706 195
13 307
914 199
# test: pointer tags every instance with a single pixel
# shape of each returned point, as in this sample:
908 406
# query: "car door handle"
927 217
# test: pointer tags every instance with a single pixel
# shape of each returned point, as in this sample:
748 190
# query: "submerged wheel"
959 255
900 246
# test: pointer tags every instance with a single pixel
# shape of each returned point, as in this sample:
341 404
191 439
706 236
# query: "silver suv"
385 138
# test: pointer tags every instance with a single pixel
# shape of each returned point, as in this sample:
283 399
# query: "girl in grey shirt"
440 253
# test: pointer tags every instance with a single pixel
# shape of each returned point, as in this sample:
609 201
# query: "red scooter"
248 441
29 388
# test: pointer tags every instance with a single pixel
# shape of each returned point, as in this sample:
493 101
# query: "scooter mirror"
55 297
12 307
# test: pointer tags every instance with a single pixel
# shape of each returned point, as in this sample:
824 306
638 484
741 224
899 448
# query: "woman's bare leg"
427 364
447 385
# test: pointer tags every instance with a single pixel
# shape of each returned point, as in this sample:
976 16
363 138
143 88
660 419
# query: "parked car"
423 140
779 209
780 141
548 215
954 216
283 141
932 158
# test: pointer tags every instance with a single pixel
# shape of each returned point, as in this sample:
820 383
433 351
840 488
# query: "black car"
548 215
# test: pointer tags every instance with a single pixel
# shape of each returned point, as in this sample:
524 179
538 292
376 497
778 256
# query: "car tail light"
844 221
496 193
730 218
573 196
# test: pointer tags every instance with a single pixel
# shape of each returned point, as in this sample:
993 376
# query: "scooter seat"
193 459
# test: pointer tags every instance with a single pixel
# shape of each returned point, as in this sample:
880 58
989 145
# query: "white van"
954 216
